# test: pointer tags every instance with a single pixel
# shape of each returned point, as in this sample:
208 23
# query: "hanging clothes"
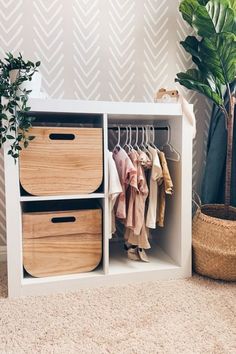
137 235
128 177
131 194
165 187
114 189
144 159
155 177
133 208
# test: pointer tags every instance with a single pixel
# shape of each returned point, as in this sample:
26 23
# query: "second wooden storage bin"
62 242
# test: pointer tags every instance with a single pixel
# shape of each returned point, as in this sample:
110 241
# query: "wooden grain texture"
57 167
62 248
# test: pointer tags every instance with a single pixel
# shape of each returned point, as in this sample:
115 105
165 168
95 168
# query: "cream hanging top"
156 175
114 189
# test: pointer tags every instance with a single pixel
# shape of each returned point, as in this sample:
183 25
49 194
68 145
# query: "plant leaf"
3 116
215 17
194 80
218 54
187 8
232 4
191 45
203 2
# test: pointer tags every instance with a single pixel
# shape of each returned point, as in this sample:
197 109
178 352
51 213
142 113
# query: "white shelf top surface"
103 107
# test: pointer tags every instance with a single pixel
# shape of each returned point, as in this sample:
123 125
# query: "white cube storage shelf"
170 255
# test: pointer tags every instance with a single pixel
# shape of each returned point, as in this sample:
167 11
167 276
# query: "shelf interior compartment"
161 134
139 118
119 262
46 239
55 119
68 120
165 242
58 205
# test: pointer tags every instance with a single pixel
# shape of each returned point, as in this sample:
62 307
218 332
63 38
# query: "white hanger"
136 146
152 137
146 137
130 138
126 145
170 152
142 145
118 140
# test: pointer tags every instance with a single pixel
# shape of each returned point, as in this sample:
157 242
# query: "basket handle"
197 202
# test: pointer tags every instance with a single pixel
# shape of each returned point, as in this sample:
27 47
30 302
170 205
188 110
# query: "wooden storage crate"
62 161
64 242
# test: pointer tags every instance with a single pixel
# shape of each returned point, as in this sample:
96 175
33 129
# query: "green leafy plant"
15 120
213 52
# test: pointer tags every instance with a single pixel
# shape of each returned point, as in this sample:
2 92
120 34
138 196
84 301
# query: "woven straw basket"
214 242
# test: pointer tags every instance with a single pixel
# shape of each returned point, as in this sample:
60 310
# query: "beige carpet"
184 316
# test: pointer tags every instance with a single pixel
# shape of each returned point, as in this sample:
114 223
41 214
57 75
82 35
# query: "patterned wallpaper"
120 50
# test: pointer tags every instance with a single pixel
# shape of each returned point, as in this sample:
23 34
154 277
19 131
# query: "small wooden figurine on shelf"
162 95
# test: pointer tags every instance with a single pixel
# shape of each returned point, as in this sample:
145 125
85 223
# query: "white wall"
102 50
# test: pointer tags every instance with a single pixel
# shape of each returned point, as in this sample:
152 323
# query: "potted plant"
15 120
213 52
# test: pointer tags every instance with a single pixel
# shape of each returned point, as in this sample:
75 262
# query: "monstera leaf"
194 80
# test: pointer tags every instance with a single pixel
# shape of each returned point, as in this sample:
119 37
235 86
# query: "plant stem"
228 172
226 116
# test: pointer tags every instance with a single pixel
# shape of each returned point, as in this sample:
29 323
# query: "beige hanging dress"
128 177
138 235
165 187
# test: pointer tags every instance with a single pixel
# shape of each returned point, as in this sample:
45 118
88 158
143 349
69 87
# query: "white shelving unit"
170 255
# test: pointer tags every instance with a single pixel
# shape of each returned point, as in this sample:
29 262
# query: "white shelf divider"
105 202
